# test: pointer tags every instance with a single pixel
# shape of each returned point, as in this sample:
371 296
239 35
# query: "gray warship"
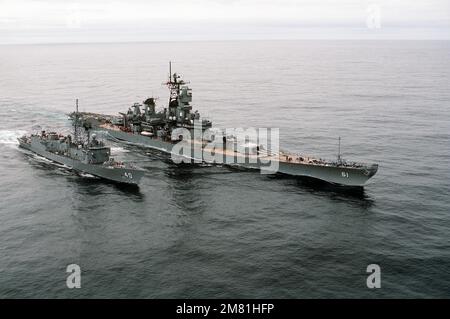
142 125
90 156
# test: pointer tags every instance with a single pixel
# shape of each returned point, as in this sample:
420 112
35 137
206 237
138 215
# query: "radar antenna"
175 82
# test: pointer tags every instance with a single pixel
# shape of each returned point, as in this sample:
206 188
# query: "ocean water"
206 231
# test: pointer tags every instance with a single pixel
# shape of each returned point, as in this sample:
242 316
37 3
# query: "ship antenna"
339 150
76 122
170 71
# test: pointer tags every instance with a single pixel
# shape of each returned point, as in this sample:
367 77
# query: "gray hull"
116 174
139 140
347 176
336 175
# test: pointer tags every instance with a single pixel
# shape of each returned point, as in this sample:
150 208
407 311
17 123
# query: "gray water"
202 231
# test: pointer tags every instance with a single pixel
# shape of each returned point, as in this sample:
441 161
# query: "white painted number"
128 175
344 174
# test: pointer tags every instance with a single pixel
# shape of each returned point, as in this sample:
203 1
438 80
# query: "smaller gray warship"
90 156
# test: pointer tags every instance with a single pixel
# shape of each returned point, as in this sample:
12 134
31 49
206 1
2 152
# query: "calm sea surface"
201 231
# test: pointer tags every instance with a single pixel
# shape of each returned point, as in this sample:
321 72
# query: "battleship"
90 156
142 125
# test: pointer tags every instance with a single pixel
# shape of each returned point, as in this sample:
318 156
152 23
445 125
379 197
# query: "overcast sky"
49 21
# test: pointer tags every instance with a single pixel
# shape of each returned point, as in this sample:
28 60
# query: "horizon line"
222 40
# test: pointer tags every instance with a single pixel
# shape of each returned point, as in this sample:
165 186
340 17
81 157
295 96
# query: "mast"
170 80
75 135
339 150
174 84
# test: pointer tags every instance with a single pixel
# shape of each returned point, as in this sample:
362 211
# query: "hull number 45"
128 175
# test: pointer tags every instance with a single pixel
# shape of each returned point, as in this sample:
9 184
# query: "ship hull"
340 175
115 174
137 139
336 175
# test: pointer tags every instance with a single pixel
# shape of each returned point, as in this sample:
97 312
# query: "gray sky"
49 21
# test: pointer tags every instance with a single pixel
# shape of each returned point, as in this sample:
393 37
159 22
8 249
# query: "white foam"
8 137
86 175
41 158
